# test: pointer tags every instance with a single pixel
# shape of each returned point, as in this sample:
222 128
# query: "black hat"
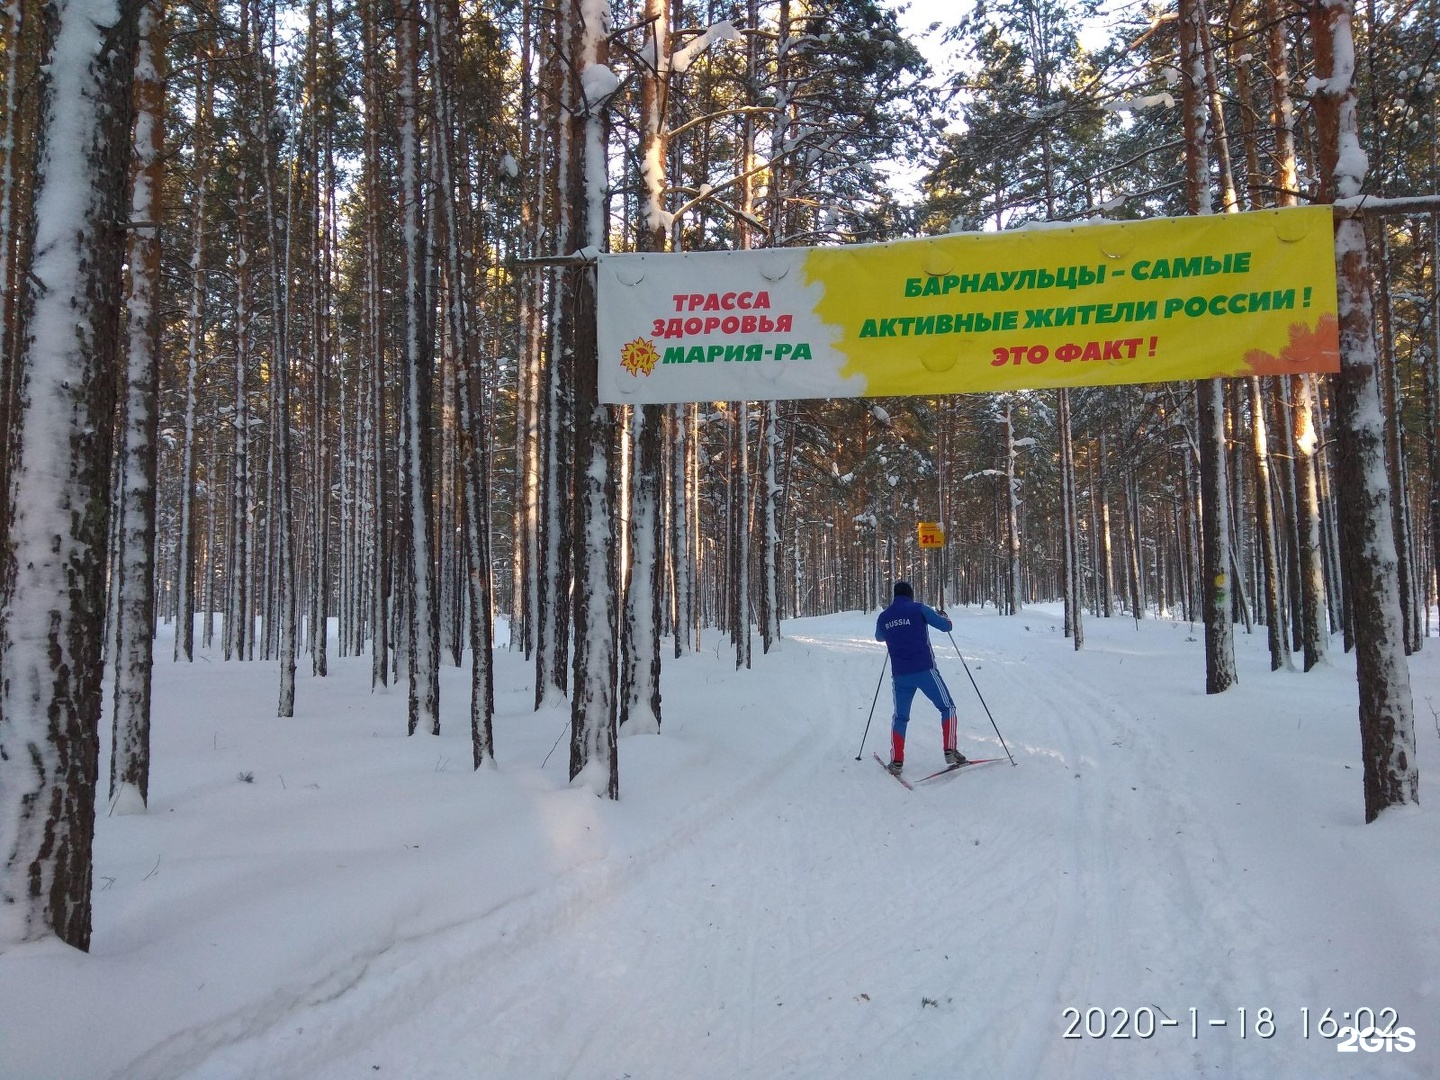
902 588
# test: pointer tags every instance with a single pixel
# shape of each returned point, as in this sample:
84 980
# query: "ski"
956 768
897 776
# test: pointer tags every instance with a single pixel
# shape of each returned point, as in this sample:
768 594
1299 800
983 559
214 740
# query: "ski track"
778 914
374 993
1103 947
1106 949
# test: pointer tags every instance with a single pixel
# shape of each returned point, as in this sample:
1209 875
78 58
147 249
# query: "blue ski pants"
930 684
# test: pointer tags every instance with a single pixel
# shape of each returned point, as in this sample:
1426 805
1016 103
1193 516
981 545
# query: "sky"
1164 883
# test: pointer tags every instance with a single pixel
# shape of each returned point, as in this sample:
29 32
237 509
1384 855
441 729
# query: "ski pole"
872 707
982 699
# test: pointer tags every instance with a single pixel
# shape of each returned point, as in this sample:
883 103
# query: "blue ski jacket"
903 626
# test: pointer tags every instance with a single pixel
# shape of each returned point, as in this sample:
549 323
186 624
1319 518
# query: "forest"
298 314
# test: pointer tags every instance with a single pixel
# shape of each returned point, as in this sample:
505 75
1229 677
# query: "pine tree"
135 575
1387 720
52 627
593 693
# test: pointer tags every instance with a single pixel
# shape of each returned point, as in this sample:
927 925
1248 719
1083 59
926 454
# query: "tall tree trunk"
554 570
1269 548
22 28
194 342
378 562
212 534
1303 435
740 533
134 632
781 179
474 478
1106 557
424 614
1432 398
52 615
640 674
237 528
1388 370
681 555
1220 672
1070 525
323 334
593 701
1387 720
1306 440
769 527
1134 572
1012 595
525 496
280 531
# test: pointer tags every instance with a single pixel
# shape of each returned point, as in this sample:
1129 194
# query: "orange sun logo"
639 357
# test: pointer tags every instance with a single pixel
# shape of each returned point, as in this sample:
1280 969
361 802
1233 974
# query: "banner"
1078 305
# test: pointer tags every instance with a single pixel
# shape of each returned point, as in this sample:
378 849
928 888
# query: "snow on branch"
598 82
1360 205
681 59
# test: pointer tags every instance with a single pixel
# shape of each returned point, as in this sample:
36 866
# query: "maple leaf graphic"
1314 348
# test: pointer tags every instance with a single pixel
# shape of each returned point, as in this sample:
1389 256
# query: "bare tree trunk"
1310 571
1269 549
195 336
524 563
285 538
554 571
1070 539
237 530
1012 596
1106 557
1432 401
135 623
323 320
593 703
681 554
424 614
640 674
1387 366
212 532
378 561
1387 721
474 477
740 533
22 27
779 196
769 527
1134 573
1220 672
1306 439
52 616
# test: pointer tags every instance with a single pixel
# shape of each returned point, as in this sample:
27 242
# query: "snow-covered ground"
1183 882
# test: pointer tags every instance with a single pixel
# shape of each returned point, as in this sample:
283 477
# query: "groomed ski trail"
736 938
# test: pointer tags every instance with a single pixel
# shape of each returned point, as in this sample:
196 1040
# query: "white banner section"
716 326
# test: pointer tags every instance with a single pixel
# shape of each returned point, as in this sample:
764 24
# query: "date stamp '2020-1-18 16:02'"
1359 1030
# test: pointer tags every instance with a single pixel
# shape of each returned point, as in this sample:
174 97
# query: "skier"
903 626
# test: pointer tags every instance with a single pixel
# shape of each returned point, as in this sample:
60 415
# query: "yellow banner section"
1081 305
